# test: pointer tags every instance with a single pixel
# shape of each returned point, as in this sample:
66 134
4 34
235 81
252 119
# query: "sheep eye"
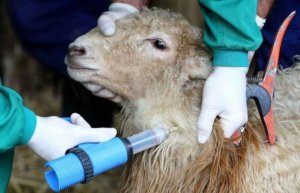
159 44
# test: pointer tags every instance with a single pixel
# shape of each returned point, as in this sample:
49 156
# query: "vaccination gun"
83 162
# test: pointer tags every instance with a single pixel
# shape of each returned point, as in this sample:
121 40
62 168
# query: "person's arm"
230 31
264 7
17 123
49 137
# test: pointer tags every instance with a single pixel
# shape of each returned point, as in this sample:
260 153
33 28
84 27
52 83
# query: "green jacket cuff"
230 58
29 127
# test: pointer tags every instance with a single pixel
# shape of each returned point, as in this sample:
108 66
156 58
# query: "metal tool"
263 91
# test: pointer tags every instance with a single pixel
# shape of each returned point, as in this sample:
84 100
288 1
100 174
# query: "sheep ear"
196 65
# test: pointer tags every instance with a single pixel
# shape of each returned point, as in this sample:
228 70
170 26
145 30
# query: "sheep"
157 63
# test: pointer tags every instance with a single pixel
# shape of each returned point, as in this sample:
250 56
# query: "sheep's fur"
164 88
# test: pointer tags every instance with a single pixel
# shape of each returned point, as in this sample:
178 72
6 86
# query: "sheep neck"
153 111
216 166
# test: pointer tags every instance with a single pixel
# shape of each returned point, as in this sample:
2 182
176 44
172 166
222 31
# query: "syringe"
84 161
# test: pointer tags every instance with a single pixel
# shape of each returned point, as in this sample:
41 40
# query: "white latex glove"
224 95
106 21
53 136
260 23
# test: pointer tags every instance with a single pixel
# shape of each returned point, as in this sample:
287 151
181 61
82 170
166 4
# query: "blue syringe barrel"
71 168
68 170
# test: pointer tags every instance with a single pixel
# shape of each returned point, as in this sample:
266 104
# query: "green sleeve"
17 123
230 30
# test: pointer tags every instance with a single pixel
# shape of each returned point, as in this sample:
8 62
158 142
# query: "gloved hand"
53 136
224 95
106 21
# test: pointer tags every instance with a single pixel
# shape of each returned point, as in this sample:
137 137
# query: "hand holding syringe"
84 161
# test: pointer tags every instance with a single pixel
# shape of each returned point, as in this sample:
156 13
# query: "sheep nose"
76 50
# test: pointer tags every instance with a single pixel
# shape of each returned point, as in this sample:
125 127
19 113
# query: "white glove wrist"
230 71
260 21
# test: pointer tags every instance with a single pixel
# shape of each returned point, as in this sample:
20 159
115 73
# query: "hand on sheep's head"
53 136
224 95
106 21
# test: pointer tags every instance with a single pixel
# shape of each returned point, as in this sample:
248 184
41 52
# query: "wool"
164 88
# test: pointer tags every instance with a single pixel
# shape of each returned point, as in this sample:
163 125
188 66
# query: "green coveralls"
230 30
17 124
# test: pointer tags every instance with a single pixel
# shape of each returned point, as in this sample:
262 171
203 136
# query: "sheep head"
148 49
